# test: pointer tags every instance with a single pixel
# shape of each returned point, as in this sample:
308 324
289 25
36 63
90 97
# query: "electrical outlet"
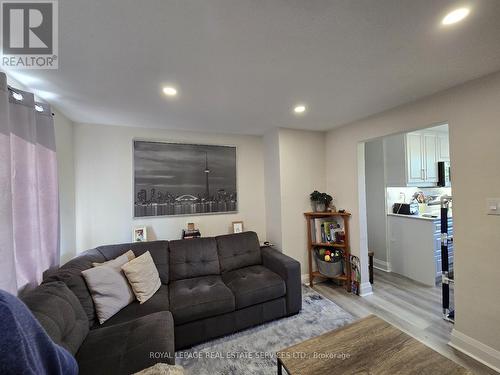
493 206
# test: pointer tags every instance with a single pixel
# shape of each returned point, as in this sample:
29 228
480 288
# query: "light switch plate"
493 206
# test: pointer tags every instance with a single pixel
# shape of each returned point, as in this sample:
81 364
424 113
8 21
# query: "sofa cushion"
25 347
76 283
71 274
157 303
253 285
198 298
85 260
129 255
193 258
59 313
238 250
157 249
128 347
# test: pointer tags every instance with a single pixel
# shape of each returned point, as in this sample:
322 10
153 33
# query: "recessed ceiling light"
300 108
455 16
17 96
170 91
38 108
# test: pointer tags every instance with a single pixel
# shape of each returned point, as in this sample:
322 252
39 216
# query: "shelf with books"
329 230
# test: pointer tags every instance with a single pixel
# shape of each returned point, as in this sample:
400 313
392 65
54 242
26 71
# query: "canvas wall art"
183 179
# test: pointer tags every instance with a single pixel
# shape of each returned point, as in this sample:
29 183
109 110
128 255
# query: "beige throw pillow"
143 276
109 287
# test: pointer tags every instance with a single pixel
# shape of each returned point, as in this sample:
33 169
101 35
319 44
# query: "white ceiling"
241 65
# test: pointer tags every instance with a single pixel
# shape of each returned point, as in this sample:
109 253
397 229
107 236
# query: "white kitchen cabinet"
411 159
395 160
430 157
415 247
415 158
443 149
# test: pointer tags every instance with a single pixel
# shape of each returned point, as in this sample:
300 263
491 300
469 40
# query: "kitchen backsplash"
405 195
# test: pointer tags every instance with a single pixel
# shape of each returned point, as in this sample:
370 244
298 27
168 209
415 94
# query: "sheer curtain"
29 204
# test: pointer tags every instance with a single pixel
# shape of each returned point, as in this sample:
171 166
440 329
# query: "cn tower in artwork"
207 171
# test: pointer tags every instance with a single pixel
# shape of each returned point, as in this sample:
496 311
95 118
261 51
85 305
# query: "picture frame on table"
139 234
237 226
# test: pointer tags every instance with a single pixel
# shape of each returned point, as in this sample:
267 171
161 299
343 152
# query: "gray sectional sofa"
210 287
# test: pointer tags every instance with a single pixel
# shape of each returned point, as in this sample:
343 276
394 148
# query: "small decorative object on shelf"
190 232
328 242
139 234
320 201
266 244
237 226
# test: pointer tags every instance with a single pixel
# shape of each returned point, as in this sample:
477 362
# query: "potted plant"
320 201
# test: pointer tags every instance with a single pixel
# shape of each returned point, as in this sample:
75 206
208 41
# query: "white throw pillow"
143 276
109 287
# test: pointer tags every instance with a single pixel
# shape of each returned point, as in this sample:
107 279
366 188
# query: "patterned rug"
253 351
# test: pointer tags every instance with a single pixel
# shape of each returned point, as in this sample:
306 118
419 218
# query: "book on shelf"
325 230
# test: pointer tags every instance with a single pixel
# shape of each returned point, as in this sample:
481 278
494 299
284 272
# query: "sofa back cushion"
238 250
157 249
59 313
192 258
71 274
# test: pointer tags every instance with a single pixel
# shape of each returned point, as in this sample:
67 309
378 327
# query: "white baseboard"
475 349
365 289
305 279
381 265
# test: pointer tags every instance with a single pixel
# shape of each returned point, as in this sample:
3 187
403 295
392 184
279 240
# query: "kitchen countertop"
417 217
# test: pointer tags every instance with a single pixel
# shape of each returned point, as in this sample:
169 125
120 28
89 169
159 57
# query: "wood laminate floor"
410 306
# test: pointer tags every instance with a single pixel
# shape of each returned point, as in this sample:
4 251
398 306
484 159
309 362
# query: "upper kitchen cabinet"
443 143
395 160
430 157
411 159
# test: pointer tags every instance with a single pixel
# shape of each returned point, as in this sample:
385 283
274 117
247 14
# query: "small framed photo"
237 226
139 234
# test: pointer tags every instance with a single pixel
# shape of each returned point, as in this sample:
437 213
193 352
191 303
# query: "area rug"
253 351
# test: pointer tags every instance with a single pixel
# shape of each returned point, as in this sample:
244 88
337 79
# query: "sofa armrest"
289 270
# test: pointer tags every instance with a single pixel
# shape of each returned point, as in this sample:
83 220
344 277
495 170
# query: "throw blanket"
25 348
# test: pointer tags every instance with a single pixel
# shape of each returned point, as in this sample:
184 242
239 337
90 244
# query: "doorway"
406 177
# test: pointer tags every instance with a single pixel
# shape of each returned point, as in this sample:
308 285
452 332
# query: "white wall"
104 186
375 200
295 166
273 188
66 170
302 170
472 112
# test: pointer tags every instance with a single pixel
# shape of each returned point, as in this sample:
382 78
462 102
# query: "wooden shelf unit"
310 216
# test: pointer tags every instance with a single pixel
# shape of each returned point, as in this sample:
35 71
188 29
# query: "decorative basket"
329 269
